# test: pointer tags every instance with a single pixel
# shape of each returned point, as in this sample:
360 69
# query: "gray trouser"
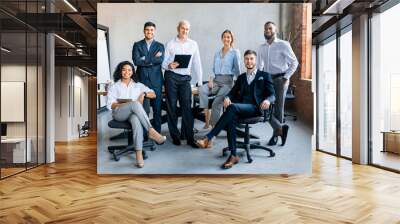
136 115
280 94
222 85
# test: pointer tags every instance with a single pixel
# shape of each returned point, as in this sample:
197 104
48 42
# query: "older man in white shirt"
177 82
277 58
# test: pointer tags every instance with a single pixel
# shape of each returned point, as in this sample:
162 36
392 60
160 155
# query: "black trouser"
177 87
156 105
229 119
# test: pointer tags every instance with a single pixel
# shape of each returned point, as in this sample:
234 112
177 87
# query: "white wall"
70 83
208 21
33 126
17 73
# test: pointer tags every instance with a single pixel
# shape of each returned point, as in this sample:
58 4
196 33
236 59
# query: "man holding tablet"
178 74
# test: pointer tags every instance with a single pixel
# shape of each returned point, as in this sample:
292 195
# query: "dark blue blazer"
263 89
148 69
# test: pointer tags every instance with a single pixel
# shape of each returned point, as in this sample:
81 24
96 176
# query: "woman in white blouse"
125 99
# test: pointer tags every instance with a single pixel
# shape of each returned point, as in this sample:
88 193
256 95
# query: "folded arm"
137 60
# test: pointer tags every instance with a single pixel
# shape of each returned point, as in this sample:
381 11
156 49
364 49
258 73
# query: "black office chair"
290 97
246 144
197 112
83 130
118 150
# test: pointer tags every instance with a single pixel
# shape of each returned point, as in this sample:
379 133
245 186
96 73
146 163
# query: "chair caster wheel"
116 158
152 148
145 156
272 154
224 153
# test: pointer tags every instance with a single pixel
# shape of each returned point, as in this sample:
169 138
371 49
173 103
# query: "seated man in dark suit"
147 55
253 92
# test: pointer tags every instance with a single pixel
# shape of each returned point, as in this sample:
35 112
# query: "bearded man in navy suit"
252 93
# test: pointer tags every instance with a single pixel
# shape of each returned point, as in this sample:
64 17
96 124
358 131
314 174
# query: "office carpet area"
293 158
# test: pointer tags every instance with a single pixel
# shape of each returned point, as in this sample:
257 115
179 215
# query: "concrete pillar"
50 99
360 90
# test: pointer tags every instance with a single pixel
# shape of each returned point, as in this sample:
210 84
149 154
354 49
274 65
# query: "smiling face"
183 30
149 32
227 39
250 61
269 31
126 72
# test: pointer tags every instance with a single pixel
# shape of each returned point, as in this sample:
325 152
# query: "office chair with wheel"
246 144
119 150
290 97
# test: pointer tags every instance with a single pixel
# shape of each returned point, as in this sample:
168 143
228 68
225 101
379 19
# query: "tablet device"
124 100
183 60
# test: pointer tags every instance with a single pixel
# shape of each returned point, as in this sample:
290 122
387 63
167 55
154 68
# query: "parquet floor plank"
70 191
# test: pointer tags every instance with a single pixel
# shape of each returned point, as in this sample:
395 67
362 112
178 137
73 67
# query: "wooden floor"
70 191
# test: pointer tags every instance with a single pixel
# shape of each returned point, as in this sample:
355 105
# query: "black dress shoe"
176 141
273 140
285 129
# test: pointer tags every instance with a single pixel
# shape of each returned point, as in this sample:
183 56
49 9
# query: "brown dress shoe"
230 162
204 143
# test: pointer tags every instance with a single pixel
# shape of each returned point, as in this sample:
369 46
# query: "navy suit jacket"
263 89
148 69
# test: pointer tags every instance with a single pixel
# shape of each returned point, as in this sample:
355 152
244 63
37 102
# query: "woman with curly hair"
125 99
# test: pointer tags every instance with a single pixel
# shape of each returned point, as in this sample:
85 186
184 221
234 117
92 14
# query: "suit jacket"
263 89
148 69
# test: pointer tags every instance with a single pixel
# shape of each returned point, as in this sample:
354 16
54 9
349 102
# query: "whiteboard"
12 101
103 64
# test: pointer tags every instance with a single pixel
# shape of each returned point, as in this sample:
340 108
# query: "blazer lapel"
152 45
144 47
256 86
257 75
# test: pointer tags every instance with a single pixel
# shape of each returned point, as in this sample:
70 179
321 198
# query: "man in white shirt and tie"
177 82
277 58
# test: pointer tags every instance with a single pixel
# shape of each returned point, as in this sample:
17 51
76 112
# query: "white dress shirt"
277 57
250 76
148 44
120 90
175 46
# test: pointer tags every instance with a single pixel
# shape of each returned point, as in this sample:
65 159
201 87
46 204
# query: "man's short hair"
149 24
247 52
268 23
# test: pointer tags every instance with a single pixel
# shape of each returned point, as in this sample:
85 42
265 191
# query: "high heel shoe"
204 143
139 159
273 140
157 137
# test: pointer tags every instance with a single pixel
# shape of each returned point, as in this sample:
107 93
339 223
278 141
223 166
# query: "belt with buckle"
279 75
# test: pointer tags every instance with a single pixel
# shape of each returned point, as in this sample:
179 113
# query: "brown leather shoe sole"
232 160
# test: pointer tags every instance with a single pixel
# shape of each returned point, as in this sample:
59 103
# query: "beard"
250 66
269 37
